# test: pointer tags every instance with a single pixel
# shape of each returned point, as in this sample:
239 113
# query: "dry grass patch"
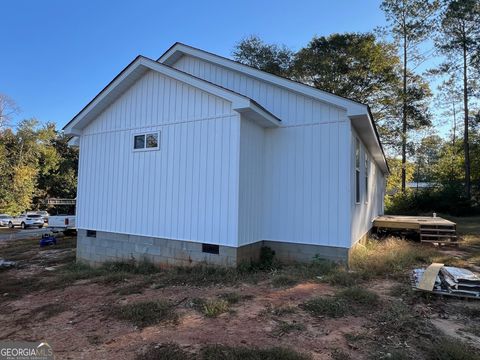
145 313
172 351
215 307
350 301
285 327
389 258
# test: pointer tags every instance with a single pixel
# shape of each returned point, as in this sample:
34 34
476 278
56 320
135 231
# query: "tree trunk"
454 139
404 115
466 149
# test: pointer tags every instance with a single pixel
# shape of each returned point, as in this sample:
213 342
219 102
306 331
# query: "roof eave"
138 68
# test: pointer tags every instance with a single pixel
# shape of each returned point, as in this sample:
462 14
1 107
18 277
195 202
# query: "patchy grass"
280 310
145 313
450 349
283 281
215 307
48 311
359 296
234 298
284 327
173 351
397 320
169 351
345 302
220 352
327 306
133 288
339 354
343 277
472 329
12 287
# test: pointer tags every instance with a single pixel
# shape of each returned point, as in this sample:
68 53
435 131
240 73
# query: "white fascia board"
175 52
139 67
260 115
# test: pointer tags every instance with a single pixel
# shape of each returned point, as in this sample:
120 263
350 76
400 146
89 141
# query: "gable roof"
359 113
137 68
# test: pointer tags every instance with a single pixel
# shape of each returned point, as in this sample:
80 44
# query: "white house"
195 157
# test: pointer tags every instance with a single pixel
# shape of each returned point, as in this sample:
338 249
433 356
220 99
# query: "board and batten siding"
306 190
251 192
371 205
186 190
291 107
306 184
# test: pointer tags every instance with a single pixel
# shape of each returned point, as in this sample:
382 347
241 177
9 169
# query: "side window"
139 142
357 170
367 172
147 141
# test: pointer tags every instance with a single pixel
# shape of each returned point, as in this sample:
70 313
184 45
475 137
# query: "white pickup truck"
64 223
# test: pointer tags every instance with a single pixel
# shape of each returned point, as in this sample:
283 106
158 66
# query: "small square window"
139 142
152 140
91 233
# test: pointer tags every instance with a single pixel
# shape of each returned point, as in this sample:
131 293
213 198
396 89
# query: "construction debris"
447 280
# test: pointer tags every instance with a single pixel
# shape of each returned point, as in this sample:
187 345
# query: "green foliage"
35 163
353 65
271 58
445 199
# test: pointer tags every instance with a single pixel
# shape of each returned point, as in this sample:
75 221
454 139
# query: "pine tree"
410 22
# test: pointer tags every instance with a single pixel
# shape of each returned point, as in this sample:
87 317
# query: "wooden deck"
431 229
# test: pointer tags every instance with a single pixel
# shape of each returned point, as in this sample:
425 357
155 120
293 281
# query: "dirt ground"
75 319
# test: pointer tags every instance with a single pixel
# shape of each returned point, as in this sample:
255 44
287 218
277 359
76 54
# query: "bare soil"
75 319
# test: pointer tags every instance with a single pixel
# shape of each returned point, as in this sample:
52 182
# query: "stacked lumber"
447 280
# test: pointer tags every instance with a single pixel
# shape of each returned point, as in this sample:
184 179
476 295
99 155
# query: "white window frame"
357 175
145 148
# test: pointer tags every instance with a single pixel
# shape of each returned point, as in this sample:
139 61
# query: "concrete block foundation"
108 246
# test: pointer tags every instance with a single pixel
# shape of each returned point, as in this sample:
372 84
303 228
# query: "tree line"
382 69
36 162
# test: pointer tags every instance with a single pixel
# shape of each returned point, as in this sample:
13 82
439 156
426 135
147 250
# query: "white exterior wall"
252 172
372 205
187 190
292 108
306 185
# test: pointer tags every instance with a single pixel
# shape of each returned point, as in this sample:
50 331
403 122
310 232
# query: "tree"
35 163
8 108
352 65
271 58
410 22
459 40
427 156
